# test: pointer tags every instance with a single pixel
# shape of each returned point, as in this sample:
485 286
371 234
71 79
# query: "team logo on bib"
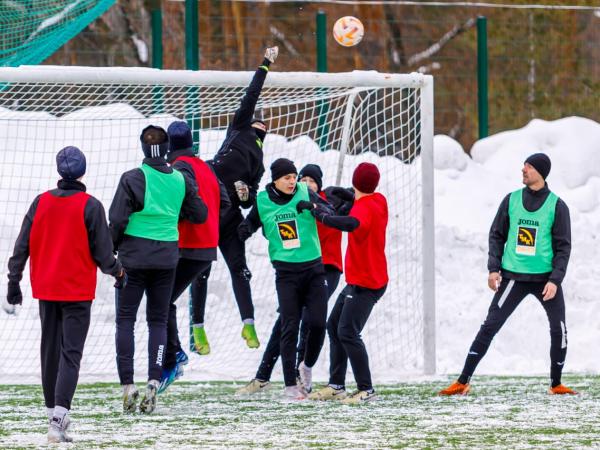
288 232
526 240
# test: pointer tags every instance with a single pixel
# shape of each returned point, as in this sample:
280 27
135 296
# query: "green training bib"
162 202
292 237
528 248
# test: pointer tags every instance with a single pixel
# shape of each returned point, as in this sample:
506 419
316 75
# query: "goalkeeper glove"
121 280
271 53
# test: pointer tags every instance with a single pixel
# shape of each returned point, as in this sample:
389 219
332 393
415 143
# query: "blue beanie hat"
70 163
180 136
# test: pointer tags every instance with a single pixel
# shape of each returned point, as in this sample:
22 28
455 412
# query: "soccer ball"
348 31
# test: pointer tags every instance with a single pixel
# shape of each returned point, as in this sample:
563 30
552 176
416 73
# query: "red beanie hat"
366 177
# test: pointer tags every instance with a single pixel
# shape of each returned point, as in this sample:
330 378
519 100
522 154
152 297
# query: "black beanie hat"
541 163
70 163
313 171
281 167
180 136
155 142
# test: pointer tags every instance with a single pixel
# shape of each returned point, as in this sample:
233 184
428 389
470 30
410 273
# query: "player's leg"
75 326
127 303
509 295
50 318
159 286
332 278
338 358
555 310
187 270
315 305
234 253
356 312
290 307
263 375
198 295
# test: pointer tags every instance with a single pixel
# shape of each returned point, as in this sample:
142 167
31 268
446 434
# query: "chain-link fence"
542 63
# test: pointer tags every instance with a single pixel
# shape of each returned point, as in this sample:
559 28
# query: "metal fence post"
482 77
322 105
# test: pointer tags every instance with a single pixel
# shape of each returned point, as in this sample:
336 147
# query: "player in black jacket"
144 223
66 237
239 166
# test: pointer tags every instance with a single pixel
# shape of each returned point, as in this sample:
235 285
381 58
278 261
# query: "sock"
555 383
198 325
127 387
154 383
464 379
59 415
50 413
248 321
337 386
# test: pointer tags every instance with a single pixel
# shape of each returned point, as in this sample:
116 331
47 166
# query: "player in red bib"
197 245
366 278
66 238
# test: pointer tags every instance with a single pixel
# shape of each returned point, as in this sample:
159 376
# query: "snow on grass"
500 413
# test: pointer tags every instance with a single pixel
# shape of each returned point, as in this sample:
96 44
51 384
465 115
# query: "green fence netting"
31 30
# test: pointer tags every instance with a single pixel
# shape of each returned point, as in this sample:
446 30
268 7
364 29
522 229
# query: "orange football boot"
456 388
561 389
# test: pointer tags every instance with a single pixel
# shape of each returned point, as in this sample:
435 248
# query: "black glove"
244 231
304 205
121 280
344 194
14 295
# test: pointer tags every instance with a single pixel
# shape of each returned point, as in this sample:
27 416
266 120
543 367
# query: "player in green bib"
530 245
143 221
283 210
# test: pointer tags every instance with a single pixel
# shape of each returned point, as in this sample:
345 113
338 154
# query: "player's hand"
494 280
344 194
549 291
242 190
244 231
121 280
271 53
304 205
14 295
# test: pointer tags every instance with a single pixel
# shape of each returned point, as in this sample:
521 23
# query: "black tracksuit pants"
64 329
346 321
234 253
505 301
158 285
186 272
297 290
271 354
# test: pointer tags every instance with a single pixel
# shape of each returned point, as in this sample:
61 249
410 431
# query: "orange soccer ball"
348 31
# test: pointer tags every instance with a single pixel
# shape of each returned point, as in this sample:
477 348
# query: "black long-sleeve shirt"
141 253
561 237
241 156
95 223
253 222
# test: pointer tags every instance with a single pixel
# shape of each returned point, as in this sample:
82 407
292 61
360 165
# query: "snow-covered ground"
467 194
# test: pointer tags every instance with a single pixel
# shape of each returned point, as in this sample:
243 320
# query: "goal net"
334 120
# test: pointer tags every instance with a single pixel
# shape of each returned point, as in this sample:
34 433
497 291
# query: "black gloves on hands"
304 205
244 231
344 194
14 295
121 280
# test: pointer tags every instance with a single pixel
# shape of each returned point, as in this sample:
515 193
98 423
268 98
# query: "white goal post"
336 120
